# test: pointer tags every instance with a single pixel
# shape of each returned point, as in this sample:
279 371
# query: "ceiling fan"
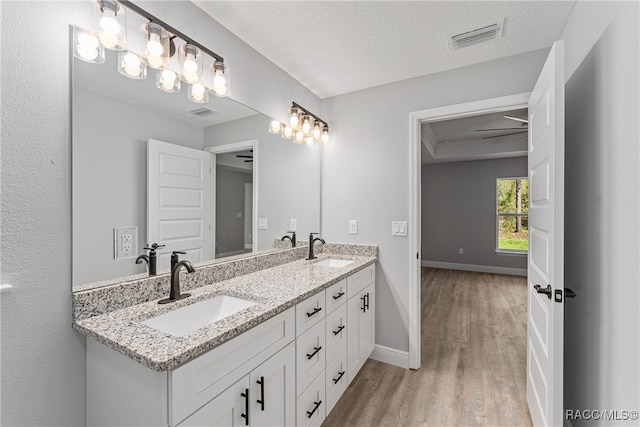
244 156
524 128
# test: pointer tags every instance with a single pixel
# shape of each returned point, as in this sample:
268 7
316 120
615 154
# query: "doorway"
234 195
417 119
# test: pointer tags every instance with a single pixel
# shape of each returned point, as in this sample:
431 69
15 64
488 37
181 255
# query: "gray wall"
42 358
110 178
459 211
230 197
288 177
602 325
365 167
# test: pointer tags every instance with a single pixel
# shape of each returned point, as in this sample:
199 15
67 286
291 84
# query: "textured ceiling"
336 47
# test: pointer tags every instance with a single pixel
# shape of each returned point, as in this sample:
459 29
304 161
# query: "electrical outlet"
460 251
293 224
353 226
125 242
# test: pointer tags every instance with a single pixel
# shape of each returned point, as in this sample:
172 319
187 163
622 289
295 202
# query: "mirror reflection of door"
234 203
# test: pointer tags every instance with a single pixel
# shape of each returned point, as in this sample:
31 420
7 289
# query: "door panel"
178 201
545 333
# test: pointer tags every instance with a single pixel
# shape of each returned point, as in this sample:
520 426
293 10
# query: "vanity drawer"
358 281
309 312
336 331
311 353
197 382
311 405
336 295
336 379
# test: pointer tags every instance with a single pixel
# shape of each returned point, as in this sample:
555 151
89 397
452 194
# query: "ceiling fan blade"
244 157
517 119
500 129
505 134
248 161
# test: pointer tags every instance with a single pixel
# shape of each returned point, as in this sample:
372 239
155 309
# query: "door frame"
251 144
416 118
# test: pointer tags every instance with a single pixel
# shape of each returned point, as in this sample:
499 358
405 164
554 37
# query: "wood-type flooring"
474 328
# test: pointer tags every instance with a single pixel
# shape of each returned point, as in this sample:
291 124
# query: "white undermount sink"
333 262
187 319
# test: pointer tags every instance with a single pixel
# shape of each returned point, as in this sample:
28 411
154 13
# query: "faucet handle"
153 247
178 253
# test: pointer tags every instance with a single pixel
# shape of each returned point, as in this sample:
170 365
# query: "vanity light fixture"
157 51
303 127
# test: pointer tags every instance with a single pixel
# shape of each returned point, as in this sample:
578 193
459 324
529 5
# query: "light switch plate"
353 226
262 223
399 228
293 224
125 242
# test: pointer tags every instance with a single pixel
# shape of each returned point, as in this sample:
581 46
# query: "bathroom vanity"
283 360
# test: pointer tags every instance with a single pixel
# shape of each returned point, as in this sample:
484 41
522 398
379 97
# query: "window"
512 207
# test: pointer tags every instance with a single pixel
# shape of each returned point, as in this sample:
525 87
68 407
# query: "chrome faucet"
312 240
291 238
176 265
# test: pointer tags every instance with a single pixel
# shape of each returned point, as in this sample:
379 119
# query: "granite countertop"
274 289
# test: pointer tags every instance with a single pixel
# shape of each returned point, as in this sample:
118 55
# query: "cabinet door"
273 390
229 408
361 326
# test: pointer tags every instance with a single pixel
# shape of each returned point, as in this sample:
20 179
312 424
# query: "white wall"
111 155
288 177
459 211
365 167
42 359
602 325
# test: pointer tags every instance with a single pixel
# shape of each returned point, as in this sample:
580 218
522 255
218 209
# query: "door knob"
547 291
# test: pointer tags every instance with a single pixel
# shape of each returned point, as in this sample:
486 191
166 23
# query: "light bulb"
219 83
317 132
294 120
132 64
168 80
299 137
275 126
154 47
197 92
108 40
190 65
306 125
108 22
325 136
88 46
310 140
287 132
155 61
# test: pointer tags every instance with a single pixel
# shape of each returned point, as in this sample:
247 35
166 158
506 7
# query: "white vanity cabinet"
205 391
360 319
265 397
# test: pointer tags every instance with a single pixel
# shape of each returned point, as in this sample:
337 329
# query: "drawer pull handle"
246 406
337 331
364 304
337 297
335 380
315 351
314 312
261 400
367 300
315 408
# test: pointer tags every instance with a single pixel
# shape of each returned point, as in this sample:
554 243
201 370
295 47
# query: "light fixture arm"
130 5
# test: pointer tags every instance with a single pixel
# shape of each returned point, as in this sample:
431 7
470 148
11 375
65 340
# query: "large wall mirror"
135 153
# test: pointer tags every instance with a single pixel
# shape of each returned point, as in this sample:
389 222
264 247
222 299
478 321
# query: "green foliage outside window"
512 208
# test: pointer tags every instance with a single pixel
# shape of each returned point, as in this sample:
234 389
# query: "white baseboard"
391 356
476 267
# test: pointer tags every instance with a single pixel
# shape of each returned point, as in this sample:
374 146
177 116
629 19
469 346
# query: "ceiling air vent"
202 112
488 32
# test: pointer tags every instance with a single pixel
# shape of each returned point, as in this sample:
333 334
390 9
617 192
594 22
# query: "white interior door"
545 334
178 201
